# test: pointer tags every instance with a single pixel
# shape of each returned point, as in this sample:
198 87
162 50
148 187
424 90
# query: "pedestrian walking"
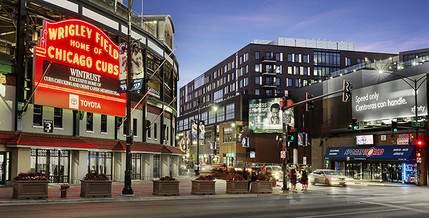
304 178
293 177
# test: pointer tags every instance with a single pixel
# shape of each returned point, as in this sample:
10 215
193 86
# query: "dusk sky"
208 31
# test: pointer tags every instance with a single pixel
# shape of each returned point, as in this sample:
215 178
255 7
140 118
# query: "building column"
20 161
118 166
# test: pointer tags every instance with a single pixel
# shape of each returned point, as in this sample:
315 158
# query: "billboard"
77 67
388 100
264 115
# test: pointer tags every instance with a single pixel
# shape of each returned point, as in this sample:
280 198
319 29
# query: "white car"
330 177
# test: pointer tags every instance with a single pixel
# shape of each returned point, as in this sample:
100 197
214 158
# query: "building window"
37 115
277 81
149 130
58 117
155 131
348 61
257 92
305 71
103 123
290 70
227 134
277 56
297 83
257 80
297 72
305 58
230 111
278 69
89 121
220 114
134 127
298 58
289 57
256 55
257 69
290 82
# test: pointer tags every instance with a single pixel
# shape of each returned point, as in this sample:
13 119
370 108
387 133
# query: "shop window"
156 165
136 160
100 162
37 115
53 163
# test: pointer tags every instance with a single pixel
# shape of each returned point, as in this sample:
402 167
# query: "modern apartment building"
70 121
260 70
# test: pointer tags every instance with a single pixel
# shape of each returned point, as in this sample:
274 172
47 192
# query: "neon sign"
77 65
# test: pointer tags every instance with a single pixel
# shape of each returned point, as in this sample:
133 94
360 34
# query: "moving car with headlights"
330 177
276 172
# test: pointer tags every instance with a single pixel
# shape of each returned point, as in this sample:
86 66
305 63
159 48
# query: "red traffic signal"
419 142
418 154
289 129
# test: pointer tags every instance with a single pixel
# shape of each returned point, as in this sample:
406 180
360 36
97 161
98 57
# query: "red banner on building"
79 64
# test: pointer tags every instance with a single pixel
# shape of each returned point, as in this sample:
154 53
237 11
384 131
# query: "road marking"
351 213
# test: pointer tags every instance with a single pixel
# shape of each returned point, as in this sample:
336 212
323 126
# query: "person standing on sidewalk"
293 177
304 178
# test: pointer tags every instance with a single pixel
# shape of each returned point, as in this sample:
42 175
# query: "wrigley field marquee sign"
77 65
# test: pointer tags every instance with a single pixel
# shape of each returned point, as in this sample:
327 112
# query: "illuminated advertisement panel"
265 115
77 65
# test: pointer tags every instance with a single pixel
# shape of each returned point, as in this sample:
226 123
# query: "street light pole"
128 190
215 129
197 171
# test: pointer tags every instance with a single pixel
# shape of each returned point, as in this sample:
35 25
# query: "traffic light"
290 136
347 93
394 127
289 130
308 105
354 124
419 144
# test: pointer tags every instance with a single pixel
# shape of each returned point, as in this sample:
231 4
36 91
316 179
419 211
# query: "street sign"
417 124
48 126
419 160
304 160
361 125
283 154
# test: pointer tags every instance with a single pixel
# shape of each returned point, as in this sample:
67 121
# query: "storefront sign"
77 65
252 154
393 153
388 100
364 140
403 139
264 115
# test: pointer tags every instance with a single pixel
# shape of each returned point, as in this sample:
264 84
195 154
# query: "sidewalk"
142 191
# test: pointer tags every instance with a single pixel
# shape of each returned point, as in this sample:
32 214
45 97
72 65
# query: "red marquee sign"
77 65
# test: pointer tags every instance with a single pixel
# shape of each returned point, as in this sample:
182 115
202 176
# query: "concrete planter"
237 186
262 187
165 187
203 187
96 188
30 189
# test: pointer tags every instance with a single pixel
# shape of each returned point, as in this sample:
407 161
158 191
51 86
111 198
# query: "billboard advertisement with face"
77 67
265 115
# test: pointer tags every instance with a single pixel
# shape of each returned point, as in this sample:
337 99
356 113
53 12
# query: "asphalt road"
319 201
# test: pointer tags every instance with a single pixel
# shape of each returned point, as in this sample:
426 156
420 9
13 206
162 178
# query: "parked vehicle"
329 177
276 172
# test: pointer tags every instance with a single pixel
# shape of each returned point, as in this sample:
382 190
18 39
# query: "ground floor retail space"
379 172
377 163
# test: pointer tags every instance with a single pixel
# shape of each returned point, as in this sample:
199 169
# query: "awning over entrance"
386 153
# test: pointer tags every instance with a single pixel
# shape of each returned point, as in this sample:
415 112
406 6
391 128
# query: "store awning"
28 139
382 153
